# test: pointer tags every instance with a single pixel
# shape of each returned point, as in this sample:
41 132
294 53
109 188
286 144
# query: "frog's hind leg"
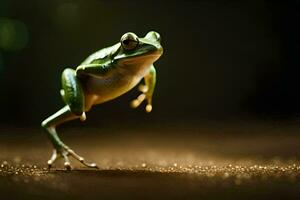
72 93
74 98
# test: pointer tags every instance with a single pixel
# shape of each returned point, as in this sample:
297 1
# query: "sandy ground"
173 163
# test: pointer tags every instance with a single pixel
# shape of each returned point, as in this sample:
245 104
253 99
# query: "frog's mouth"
147 52
139 61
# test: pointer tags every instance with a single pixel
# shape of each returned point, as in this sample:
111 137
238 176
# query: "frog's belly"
105 89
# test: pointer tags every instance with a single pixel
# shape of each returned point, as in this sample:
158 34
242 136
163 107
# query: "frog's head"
139 52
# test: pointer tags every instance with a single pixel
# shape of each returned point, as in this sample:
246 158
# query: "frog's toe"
64 153
59 154
68 165
143 88
148 108
83 117
91 165
53 158
81 159
136 102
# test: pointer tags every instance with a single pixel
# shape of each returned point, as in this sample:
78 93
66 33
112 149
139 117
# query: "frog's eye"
129 41
154 36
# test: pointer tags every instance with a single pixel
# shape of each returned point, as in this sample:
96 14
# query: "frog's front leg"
147 90
73 96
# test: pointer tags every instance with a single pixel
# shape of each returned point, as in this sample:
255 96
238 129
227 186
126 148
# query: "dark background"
227 96
222 60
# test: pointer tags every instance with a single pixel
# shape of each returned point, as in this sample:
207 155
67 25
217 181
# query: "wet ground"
156 163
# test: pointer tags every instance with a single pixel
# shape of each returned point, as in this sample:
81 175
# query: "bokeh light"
67 14
1 72
13 34
1 64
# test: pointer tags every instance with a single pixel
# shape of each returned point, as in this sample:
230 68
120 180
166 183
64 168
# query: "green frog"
103 76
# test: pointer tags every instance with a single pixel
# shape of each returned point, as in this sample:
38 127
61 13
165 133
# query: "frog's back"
100 56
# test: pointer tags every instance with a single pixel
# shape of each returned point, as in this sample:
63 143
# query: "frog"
103 76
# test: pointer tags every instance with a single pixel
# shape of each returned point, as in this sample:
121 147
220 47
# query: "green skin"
103 76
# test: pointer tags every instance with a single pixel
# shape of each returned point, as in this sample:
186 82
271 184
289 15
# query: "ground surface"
173 163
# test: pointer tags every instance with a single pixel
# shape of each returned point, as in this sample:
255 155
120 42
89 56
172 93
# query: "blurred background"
227 95
223 60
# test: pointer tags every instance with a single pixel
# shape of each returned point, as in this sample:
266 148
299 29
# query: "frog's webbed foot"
64 153
137 102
